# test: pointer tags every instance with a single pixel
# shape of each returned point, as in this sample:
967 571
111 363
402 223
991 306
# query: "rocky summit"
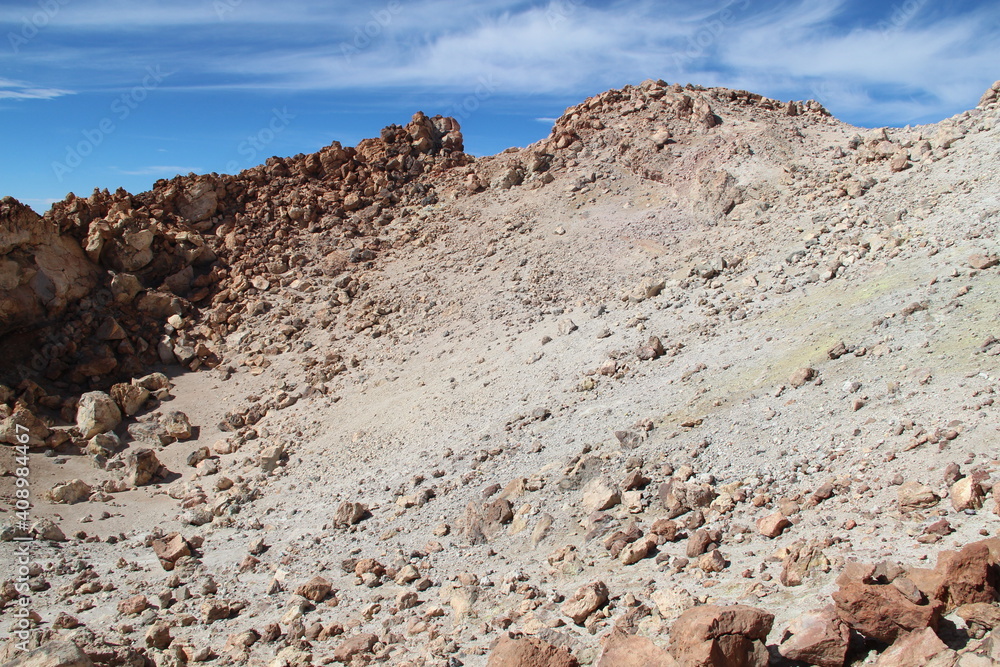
703 378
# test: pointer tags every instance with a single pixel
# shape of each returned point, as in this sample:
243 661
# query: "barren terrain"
698 350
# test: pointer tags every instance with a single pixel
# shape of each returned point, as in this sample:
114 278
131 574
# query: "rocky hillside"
703 378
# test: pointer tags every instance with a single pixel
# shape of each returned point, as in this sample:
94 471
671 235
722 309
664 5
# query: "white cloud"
19 90
900 66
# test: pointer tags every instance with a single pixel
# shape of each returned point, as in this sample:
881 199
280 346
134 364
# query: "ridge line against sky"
103 93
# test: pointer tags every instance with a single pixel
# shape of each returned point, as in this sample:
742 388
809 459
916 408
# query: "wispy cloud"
923 65
19 90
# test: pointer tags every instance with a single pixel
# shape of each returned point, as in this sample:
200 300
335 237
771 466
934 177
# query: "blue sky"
109 93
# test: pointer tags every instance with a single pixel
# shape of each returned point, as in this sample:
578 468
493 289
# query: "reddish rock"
134 605
711 636
962 577
366 565
817 638
986 616
666 529
170 549
529 652
699 543
316 589
914 649
774 525
801 376
356 645
883 613
982 262
624 650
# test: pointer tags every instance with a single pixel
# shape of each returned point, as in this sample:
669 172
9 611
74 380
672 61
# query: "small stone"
914 496
801 376
73 491
349 513
967 494
585 601
773 525
713 561
600 494
316 589
177 425
133 605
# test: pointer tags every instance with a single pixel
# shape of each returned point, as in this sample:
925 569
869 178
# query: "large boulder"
529 652
624 650
97 413
883 612
41 271
817 638
962 577
12 429
56 653
712 636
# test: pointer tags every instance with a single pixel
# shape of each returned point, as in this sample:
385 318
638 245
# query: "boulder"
41 271
967 494
97 413
713 636
914 649
11 434
316 589
170 549
600 494
349 513
773 525
624 650
198 201
529 652
56 653
883 612
817 638
45 529
962 577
